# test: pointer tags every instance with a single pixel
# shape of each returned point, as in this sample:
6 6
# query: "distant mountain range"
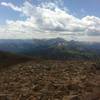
57 48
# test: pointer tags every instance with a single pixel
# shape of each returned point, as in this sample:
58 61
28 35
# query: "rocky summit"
50 80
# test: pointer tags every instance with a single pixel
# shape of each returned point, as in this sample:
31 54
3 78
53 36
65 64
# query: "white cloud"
12 6
92 25
49 20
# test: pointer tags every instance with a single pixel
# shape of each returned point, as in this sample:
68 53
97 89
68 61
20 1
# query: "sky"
68 19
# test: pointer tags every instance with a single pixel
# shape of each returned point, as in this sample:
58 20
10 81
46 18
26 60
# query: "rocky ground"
51 80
